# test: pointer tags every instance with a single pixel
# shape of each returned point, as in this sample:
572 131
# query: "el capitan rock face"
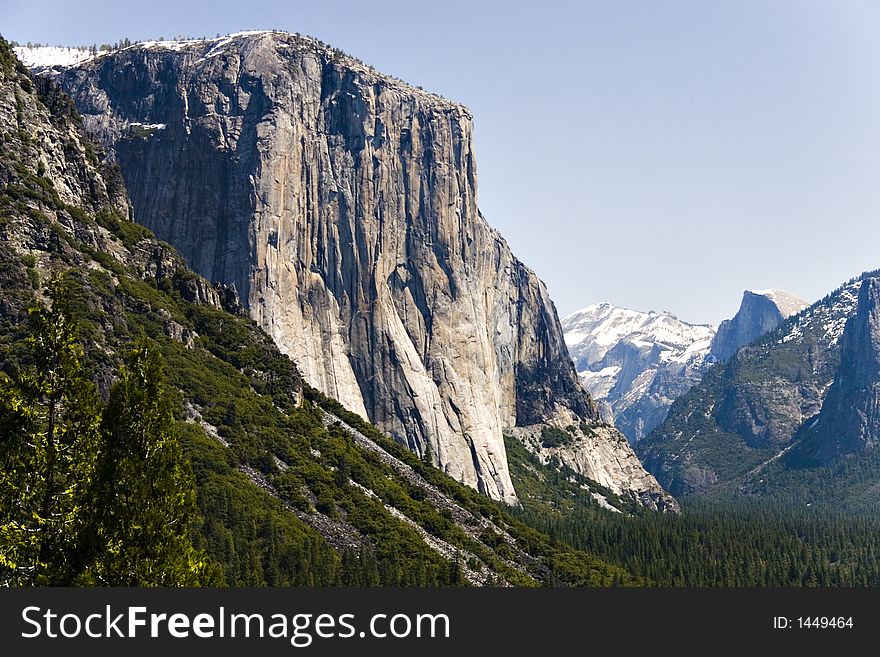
341 204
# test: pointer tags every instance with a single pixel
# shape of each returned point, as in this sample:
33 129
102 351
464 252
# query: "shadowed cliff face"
760 312
849 421
342 206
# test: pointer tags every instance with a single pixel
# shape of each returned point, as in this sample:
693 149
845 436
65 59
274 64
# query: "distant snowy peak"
592 331
636 363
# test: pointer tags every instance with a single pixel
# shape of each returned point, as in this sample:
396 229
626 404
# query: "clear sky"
657 155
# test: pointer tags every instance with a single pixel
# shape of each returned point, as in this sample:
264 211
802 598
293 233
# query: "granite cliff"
341 205
760 312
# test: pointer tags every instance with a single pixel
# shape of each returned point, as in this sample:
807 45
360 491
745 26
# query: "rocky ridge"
849 421
636 363
745 413
341 206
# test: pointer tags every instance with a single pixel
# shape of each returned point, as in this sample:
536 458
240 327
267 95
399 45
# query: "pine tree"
144 494
428 455
456 574
48 437
343 472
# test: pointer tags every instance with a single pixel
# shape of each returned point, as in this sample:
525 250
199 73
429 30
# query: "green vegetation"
850 483
251 395
90 493
145 533
557 564
719 542
249 532
556 486
127 231
49 430
555 437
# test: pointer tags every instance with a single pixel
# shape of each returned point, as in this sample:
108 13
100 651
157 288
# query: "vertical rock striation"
342 206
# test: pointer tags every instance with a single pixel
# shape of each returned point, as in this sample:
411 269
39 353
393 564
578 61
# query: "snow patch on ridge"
50 56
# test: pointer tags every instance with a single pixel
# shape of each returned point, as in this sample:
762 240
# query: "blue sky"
657 155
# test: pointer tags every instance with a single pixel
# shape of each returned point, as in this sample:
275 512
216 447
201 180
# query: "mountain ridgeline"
340 204
790 417
636 363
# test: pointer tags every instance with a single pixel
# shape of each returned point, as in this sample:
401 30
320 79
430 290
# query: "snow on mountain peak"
788 303
45 60
48 57
635 363
591 331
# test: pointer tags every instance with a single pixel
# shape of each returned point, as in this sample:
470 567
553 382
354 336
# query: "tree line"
92 493
727 542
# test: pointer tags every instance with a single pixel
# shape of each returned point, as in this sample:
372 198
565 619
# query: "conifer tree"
49 416
144 494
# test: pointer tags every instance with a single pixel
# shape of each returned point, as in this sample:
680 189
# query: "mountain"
636 363
292 489
849 422
760 311
789 416
340 204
